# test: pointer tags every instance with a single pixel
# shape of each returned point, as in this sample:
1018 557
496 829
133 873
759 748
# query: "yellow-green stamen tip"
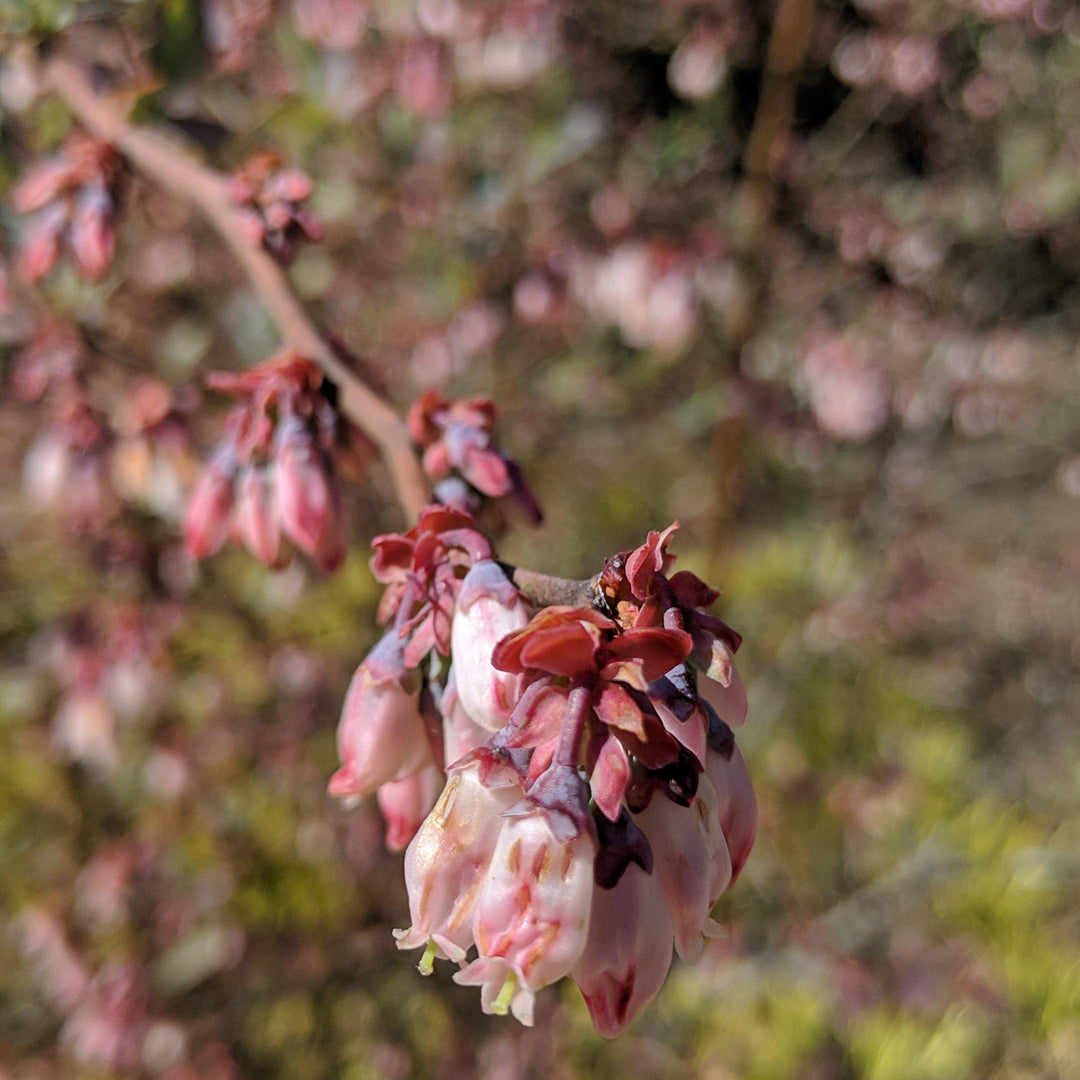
427 961
501 1005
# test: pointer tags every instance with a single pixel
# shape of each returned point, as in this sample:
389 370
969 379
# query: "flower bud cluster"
66 469
71 202
105 1012
398 716
272 478
83 463
595 804
108 664
271 199
455 436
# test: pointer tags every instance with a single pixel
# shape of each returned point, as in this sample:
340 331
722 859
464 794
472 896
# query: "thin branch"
789 42
207 190
541 590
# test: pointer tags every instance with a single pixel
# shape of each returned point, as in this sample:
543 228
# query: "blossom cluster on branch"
272 478
595 804
70 200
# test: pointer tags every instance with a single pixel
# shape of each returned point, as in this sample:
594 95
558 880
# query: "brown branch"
207 190
766 148
541 590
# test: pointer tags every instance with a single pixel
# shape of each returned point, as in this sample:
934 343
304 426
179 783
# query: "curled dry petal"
559 640
649 559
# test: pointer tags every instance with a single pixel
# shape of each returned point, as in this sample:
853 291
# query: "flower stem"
578 708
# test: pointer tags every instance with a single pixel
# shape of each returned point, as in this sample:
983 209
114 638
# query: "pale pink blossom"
406 802
461 733
309 500
736 806
106 1027
488 608
531 919
206 524
83 729
728 701
257 518
690 859
628 950
381 734
447 859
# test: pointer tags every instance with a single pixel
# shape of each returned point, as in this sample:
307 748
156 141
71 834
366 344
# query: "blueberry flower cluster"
272 478
272 198
70 202
459 458
595 805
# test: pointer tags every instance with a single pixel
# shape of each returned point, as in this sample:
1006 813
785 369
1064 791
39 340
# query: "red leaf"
610 777
618 708
658 650
691 591
541 721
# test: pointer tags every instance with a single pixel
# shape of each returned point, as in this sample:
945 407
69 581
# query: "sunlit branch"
178 173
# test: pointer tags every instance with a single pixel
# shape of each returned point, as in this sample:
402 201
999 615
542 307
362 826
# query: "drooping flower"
690 860
258 519
594 830
271 199
309 502
272 480
423 570
461 733
206 523
446 861
406 802
628 950
488 608
381 735
456 439
71 202
736 807
531 918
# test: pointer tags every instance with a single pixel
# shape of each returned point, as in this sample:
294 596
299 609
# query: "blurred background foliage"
860 397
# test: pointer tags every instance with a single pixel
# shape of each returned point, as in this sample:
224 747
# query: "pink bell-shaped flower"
381 735
628 951
531 919
206 524
488 608
690 857
737 805
446 861
308 496
461 733
257 519
406 802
